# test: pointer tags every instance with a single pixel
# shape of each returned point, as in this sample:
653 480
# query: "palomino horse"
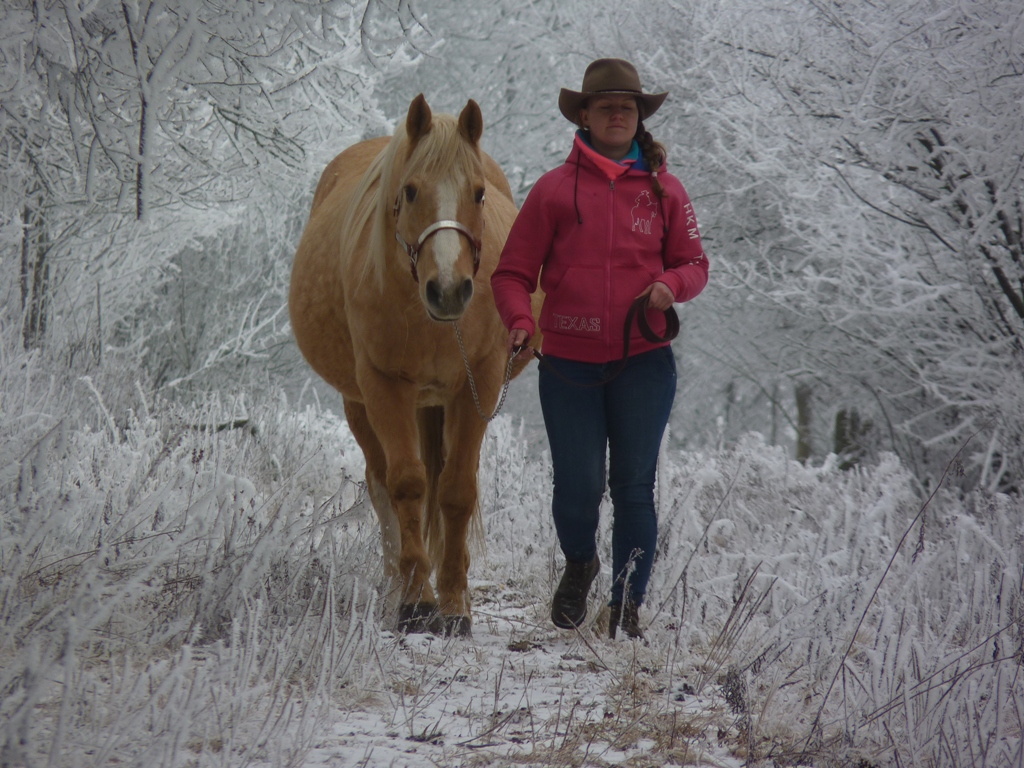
400 244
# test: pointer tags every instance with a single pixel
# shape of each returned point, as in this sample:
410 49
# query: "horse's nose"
450 304
433 294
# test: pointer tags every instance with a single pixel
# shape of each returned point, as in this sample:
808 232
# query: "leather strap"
413 251
638 313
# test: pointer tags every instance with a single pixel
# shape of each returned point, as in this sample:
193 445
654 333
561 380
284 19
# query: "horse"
402 237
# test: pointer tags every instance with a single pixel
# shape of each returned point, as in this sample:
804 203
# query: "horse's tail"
431 427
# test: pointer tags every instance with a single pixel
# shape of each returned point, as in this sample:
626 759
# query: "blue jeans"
625 419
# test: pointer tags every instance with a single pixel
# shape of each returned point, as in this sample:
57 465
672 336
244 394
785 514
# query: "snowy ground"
523 693
185 588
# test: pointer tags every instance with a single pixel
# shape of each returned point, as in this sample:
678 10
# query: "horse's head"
439 206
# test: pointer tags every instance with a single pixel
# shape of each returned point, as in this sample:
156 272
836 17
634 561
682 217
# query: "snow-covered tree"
157 161
857 171
914 118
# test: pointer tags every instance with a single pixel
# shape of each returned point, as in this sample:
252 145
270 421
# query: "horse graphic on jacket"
643 213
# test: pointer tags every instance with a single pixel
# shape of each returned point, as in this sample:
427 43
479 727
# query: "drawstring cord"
575 191
576 203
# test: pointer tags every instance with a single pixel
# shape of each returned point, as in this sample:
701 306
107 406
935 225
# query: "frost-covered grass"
774 586
199 586
171 590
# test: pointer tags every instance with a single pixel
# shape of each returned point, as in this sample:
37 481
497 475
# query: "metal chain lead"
472 381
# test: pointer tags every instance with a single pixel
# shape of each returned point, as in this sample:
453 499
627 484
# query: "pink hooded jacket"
602 236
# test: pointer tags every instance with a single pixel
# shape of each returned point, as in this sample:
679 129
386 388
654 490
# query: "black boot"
627 616
569 605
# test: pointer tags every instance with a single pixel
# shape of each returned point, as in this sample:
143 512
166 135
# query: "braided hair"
654 154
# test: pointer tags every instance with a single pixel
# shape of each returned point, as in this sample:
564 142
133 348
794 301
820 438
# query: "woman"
608 226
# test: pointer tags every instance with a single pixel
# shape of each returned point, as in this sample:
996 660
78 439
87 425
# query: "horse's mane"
436 152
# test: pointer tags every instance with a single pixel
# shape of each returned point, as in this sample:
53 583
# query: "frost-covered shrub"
187 584
858 612
773 585
197 585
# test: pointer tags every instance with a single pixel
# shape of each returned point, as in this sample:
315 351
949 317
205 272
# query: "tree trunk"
35 279
848 440
140 168
803 422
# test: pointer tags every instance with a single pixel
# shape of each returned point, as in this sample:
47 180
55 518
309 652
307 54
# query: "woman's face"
612 121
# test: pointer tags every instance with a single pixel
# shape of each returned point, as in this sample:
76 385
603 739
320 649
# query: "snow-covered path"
522 692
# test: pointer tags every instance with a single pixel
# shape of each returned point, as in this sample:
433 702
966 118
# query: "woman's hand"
661 297
518 337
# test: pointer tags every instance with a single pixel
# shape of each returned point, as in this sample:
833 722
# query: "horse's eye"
480 195
410 192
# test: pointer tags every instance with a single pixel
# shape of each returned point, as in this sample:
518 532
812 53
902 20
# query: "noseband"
414 249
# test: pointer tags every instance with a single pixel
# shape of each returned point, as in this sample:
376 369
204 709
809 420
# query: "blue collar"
633 158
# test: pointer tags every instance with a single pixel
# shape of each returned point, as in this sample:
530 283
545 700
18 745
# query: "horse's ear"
471 122
418 121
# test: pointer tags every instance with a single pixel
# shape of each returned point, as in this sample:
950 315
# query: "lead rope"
636 313
472 381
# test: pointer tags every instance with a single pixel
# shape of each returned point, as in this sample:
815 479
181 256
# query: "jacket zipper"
608 271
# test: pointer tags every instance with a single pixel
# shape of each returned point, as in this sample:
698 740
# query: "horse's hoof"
420 618
458 626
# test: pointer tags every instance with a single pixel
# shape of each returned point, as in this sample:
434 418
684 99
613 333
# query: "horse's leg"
376 472
390 407
457 496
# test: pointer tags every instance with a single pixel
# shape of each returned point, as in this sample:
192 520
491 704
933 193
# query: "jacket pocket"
573 305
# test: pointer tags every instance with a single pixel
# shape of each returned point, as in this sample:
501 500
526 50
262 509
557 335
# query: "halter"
414 250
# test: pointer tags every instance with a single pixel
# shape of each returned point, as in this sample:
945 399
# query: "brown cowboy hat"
605 76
